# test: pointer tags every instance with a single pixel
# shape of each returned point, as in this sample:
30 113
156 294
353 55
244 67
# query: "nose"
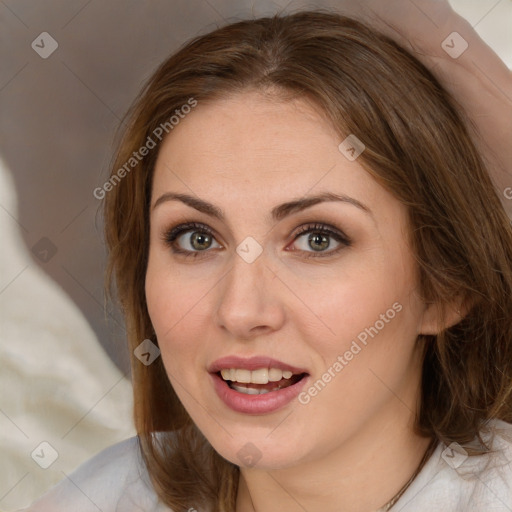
249 302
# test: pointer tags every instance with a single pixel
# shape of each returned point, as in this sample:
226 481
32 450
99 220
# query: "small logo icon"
45 455
454 45
146 352
249 455
351 147
44 45
249 249
454 455
44 250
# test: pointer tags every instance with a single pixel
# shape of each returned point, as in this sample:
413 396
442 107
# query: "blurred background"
69 70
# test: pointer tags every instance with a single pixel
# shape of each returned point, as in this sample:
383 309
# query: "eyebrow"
277 213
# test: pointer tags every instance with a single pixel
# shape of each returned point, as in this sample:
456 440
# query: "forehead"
251 123
247 153
250 137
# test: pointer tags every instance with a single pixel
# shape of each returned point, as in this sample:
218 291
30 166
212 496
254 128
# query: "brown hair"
417 147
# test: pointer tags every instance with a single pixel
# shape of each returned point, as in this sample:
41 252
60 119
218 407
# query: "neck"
362 474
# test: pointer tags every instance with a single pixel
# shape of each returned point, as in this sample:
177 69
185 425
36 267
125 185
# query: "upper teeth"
260 376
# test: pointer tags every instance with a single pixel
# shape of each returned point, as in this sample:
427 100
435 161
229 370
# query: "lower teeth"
252 391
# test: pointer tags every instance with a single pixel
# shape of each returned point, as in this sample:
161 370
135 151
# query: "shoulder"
454 481
115 479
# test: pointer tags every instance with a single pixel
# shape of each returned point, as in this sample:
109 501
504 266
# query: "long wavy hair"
417 146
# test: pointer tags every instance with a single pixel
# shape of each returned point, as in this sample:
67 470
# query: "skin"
247 154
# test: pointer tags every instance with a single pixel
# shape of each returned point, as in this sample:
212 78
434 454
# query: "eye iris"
200 238
318 239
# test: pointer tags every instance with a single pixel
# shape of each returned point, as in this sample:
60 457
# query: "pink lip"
252 363
256 404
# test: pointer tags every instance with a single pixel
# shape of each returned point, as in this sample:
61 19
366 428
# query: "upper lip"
252 363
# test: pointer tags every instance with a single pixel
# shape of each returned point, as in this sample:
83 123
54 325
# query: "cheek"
372 352
165 305
176 305
363 295
373 313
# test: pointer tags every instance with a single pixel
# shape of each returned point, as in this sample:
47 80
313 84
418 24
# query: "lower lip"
256 404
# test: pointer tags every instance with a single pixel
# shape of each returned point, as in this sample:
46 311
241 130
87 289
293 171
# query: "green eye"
201 238
319 239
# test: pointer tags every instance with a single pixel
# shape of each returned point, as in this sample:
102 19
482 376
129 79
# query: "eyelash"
170 236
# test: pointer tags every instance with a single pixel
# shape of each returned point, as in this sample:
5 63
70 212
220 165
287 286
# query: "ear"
436 318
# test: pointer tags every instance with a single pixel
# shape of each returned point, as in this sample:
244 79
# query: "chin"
258 451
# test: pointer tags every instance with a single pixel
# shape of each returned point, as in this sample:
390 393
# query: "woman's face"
328 289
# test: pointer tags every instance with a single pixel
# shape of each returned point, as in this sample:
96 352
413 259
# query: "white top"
115 480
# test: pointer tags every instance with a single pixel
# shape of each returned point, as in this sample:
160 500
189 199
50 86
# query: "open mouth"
259 382
257 385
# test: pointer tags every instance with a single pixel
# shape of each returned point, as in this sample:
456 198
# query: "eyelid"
321 227
172 233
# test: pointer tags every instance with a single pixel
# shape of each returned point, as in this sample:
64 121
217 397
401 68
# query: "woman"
316 275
